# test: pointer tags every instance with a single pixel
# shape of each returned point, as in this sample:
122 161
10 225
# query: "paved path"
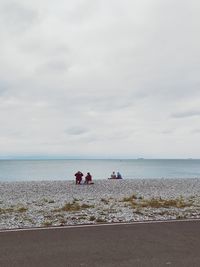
155 244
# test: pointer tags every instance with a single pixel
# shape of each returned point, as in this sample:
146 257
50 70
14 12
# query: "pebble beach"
59 203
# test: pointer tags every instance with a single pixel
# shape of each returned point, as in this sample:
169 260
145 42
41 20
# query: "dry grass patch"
73 207
140 202
22 209
62 221
164 203
47 223
13 209
6 210
86 206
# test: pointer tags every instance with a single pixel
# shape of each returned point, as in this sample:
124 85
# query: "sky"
100 79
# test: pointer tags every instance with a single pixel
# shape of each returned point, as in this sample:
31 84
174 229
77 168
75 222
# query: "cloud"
17 17
76 131
102 77
185 114
195 131
4 87
53 67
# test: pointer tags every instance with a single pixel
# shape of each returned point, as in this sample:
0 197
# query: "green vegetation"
82 217
46 200
51 201
92 218
75 199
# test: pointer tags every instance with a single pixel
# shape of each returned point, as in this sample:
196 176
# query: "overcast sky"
99 78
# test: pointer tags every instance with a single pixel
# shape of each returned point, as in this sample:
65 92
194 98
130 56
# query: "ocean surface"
28 170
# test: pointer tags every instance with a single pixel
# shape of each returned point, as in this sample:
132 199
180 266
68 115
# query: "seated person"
119 175
88 178
113 175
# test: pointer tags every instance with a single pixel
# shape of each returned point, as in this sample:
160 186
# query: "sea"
64 169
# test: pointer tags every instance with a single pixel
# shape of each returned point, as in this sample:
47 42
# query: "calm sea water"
26 170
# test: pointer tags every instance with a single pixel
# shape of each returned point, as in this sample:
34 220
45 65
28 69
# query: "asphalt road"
155 244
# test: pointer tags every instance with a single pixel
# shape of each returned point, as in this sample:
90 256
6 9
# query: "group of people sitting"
79 177
115 176
88 178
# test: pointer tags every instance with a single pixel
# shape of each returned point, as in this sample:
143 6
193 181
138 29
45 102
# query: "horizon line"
90 158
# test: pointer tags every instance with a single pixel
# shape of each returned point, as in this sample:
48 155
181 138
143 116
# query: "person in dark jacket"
119 176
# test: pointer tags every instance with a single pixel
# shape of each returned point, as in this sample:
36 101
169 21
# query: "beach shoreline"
59 203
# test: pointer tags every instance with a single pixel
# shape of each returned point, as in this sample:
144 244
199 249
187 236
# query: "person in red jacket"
78 176
88 178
